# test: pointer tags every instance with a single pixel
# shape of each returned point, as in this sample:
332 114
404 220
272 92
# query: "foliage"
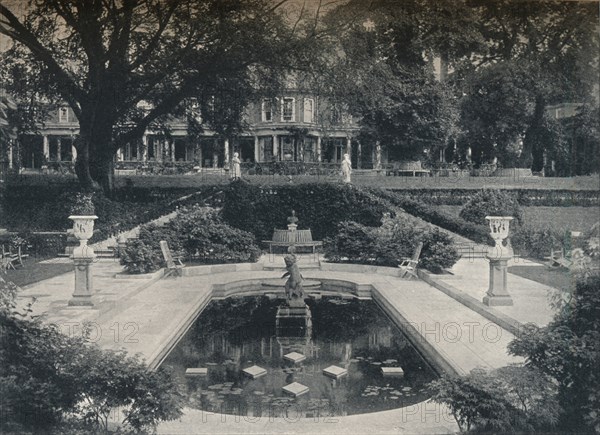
510 399
139 256
568 351
476 401
535 242
388 244
319 206
47 378
438 252
379 75
82 204
491 202
146 73
578 150
203 235
353 241
476 232
198 233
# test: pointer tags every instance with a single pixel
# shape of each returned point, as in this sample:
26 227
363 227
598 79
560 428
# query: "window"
336 115
309 110
63 115
288 110
267 110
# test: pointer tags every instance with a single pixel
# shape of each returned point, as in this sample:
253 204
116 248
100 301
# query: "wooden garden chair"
174 263
9 259
558 258
408 266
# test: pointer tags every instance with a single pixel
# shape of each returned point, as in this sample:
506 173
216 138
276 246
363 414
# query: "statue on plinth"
293 287
292 222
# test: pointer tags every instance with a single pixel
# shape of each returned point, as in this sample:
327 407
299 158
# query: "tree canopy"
122 65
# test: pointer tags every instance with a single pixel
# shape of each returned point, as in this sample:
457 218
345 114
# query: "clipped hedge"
475 232
27 208
318 206
525 197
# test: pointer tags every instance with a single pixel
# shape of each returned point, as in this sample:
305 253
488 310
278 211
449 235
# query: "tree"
535 54
568 351
380 68
122 65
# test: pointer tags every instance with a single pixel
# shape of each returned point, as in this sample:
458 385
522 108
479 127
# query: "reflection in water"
237 333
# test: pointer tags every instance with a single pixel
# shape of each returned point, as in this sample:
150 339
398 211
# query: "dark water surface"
237 333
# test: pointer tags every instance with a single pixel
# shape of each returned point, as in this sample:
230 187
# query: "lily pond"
353 335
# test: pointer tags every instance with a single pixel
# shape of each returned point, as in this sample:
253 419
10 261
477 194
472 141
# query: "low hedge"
477 233
525 197
27 208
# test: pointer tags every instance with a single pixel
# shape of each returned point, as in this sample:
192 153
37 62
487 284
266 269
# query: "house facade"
295 127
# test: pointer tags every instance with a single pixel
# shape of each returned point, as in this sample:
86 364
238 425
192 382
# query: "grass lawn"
557 278
34 271
557 218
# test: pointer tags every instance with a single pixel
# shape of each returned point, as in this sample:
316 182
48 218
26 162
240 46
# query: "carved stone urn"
499 228
83 230
498 256
83 256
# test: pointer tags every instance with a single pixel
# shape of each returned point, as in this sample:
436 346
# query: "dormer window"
288 112
63 115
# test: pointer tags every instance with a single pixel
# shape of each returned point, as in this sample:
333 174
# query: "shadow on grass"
559 278
35 271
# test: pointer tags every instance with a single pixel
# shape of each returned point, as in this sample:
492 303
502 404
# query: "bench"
313 245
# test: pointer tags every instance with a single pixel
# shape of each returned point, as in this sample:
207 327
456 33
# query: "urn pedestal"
83 257
498 256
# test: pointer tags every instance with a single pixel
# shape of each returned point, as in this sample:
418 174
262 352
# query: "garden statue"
378 156
346 168
237 171
292 221
293 287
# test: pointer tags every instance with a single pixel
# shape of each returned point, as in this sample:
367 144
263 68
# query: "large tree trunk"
94 166
534 134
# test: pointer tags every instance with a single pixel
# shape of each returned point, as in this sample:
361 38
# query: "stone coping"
512 325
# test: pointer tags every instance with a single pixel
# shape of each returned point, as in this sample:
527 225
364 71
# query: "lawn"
34 271
559 278
557 218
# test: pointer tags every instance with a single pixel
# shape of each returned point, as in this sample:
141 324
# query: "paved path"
531 301
147 315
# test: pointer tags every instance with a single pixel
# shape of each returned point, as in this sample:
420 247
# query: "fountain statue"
293 287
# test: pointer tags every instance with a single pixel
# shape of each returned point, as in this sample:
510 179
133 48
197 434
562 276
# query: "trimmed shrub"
203 235
197 233
491 202
438 251
354 242
476 232
534 242
387 245
139 256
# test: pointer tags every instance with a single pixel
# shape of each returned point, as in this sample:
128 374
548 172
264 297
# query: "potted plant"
83 217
